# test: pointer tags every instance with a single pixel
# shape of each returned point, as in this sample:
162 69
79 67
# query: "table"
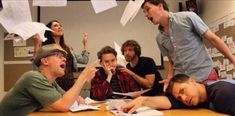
104 112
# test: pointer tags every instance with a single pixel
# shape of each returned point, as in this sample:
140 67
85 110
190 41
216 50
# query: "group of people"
191 81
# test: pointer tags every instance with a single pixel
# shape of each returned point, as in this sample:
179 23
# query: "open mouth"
62 66
150 18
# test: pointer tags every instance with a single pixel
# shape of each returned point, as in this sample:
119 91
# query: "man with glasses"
181 40
37 89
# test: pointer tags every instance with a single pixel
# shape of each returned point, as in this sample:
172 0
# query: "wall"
214 9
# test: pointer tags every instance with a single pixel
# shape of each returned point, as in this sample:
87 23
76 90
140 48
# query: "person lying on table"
37 89
187 93
109 78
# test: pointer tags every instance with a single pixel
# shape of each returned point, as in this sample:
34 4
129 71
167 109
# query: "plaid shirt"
102 89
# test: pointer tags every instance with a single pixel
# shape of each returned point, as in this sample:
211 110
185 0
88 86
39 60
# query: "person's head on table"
187 90
35 90
187 93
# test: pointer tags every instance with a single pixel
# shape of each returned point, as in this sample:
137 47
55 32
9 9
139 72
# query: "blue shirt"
185 45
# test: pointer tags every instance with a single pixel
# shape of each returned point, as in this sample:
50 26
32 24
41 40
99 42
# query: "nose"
183 98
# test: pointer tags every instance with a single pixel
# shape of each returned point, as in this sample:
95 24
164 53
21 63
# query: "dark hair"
106 50
134 44
50 40
156 2
178 78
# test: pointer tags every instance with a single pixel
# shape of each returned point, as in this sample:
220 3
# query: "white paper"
102 5
132 94
88 100
14 12
120 58
27 29
81 107
45 3
138 3
129 11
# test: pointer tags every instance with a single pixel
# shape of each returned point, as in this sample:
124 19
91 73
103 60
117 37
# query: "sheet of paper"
133 94
14 13
27 29
88 100
51 3
102 5
81 107
128 12
120 58
138 3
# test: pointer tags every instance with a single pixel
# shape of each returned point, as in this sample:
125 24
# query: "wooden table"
104 112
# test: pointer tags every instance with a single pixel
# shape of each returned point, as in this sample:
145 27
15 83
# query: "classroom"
105 28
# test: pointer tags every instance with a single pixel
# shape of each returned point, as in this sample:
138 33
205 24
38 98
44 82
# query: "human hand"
131 107
126 70
107 68
89 72
166 83
85 40
80 100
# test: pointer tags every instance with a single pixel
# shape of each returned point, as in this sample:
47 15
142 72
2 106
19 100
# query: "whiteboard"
103 28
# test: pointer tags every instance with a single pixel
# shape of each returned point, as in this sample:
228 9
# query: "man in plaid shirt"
109 78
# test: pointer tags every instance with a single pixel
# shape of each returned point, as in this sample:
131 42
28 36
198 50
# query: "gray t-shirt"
31 93
184 44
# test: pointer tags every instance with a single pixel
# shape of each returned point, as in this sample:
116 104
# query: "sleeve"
175 104
82 58
198 24
42 91
99 88
132 84
163 50
151 66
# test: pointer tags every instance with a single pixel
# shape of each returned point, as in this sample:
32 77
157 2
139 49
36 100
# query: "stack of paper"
81 107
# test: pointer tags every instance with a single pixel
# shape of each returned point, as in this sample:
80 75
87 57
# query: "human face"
129 54
58 29
153 12
109 61
56 62
187 92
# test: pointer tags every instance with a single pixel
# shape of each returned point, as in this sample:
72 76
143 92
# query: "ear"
192 81
44 61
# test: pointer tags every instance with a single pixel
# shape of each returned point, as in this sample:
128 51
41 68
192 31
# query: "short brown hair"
134 44
106 50
156 2
178 78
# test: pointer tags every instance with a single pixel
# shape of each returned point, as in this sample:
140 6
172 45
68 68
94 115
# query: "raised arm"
64 103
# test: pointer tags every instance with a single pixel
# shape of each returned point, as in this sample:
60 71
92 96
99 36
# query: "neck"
134 62
202 92
57 39
165 21
48 75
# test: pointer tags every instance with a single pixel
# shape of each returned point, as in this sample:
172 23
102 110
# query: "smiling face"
57 28
187 92
153 12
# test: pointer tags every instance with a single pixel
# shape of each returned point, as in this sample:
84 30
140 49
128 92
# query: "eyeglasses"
58 54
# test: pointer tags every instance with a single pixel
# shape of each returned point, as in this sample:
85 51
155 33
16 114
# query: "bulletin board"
14 67
225 29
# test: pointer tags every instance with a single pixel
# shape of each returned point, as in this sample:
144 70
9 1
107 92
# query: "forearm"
157 102
72 94
143 81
